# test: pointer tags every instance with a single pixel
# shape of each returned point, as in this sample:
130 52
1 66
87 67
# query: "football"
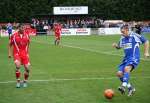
109 93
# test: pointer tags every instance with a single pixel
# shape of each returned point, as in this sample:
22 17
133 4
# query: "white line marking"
74 79
107 53
91 50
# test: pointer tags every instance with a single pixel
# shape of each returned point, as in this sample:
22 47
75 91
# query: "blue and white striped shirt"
131 44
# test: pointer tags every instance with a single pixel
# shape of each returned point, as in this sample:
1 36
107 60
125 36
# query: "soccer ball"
109 93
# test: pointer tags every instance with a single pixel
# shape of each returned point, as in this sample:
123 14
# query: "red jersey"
57 29
20 43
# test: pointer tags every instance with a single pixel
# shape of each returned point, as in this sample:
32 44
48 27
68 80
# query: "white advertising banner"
83 31
67 32
109 31
70 10
77 31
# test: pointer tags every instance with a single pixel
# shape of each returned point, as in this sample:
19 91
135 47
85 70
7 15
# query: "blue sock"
126 77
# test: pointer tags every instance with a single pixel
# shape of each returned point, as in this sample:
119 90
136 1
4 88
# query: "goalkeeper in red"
130 42
19 47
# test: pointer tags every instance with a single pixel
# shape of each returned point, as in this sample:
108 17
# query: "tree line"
24 10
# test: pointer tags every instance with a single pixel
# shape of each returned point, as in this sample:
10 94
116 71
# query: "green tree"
23 10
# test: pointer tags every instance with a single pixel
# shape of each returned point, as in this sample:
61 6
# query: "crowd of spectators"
45 24
83 22
69 22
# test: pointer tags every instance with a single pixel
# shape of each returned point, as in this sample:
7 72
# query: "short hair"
20 25
124 27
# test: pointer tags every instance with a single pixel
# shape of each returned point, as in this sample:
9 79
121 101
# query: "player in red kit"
19 47
57 30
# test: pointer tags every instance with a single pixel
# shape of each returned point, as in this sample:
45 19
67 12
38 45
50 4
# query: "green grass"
69 70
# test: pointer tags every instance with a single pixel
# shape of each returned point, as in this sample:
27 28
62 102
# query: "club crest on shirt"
130 39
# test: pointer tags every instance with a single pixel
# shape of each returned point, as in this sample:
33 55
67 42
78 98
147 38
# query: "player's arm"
10 49
146 49
28 44
146 45
53 28
115 45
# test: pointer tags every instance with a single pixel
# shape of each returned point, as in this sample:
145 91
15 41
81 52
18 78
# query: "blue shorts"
133 62
9 31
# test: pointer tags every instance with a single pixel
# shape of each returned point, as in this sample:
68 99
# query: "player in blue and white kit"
9 29
130 42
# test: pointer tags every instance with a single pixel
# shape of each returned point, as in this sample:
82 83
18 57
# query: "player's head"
21 28
9 24
55 24
125 30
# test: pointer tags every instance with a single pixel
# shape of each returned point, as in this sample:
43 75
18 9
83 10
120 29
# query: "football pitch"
77 71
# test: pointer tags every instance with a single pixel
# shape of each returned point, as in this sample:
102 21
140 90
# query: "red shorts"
24 59
57 36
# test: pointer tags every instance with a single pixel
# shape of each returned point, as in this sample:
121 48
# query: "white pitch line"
91 50
74 79
107 53
60 79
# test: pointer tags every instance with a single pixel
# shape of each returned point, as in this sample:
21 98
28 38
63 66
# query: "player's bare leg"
18 65
26 75
9 36
58 41
55 42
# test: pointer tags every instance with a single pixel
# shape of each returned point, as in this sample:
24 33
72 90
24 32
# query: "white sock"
128 85
124 84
